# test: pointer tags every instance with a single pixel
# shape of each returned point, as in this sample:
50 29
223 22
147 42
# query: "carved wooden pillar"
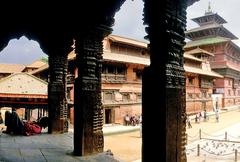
164 82
88 111
57 102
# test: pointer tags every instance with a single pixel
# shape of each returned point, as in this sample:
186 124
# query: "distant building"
25 93
123 62
35 65
212 36
8 69
199 80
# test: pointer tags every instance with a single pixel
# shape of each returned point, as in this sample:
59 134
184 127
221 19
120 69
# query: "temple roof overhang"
210 30
226 66
202 72
206 41
39 70
209 18
128 41
198 51
117 57
190 57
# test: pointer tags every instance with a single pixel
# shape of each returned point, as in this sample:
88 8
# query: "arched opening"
166 60
20 90
22 50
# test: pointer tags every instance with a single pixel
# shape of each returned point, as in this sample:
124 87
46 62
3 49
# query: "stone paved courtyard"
214 150
44 147
124 143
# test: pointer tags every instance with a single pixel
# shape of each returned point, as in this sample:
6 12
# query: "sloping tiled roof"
206 41
109 56
198 50
125 58
125 40
44 67
192 57
36 64
218 28
202 72
209 26
213 16
11 68
71 56
23 83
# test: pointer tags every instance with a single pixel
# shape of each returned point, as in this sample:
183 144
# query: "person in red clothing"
31 128
17 127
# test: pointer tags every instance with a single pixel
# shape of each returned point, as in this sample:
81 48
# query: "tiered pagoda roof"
211 25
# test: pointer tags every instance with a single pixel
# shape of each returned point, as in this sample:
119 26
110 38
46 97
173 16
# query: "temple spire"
209 11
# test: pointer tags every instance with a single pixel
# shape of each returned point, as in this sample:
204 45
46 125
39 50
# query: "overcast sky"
128 22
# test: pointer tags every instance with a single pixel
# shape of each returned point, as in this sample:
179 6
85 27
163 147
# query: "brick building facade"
213 37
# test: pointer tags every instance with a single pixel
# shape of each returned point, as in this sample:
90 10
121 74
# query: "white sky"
129 23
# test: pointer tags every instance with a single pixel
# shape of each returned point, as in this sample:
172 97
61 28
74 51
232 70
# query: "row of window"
118 71
198 95
234 92
114 96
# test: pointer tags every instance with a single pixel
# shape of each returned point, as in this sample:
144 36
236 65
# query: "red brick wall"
128 109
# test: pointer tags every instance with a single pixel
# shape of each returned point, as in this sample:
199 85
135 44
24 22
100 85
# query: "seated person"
16 126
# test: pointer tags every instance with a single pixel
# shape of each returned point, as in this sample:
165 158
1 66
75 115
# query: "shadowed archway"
163 81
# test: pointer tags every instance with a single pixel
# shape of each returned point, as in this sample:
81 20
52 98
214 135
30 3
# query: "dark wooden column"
88 111
164 82
57 103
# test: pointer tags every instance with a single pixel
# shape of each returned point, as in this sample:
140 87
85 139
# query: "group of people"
200 116
132 120
17 126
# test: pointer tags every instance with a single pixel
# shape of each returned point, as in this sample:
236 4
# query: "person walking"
217 115
189 122
140 124
1 123
127 120
1 118
205 115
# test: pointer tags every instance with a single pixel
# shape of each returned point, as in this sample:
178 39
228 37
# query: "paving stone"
10 145
43 147
60 158
10 155
30 152
53 152
34 159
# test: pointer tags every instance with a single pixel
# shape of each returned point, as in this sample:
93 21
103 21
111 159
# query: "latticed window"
108 96
190 80
115 72
139 97
190 95
138 73
126 97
